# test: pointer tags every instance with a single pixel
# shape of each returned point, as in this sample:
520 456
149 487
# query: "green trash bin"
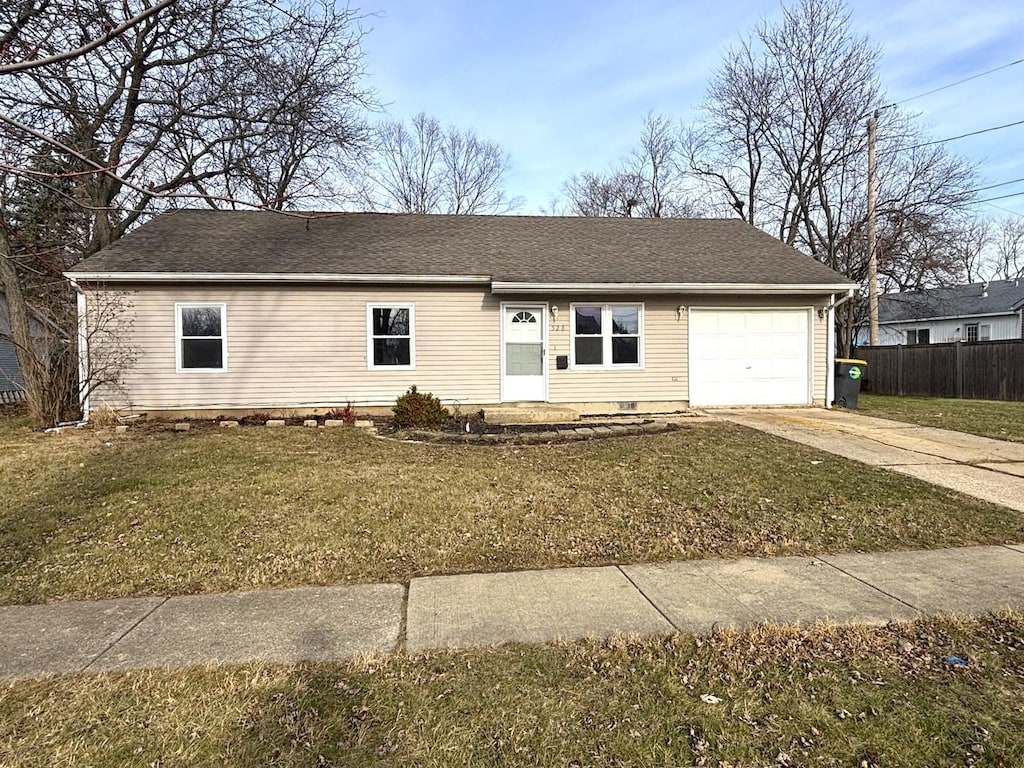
849 372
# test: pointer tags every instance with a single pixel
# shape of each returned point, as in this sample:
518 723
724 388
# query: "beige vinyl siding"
663 376
306 347
820 357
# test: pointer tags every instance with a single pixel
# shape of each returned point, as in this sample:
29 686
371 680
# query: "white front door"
523 340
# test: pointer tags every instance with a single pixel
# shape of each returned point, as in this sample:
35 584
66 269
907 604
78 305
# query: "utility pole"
872 253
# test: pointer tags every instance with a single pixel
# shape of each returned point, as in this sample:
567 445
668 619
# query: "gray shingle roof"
995 297
536 249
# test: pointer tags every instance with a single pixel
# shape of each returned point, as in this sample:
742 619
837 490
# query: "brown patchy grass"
90 514
999 419
821 696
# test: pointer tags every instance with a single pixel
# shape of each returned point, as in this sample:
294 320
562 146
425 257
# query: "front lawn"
855 696
89 514
999 419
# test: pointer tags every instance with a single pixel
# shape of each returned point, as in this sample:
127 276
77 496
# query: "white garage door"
749 357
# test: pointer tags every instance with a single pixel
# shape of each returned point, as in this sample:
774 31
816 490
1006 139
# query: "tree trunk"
33 371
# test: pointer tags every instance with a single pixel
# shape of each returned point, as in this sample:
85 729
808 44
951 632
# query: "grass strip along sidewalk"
934 692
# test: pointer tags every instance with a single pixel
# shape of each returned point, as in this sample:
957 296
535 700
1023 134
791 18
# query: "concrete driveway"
992 470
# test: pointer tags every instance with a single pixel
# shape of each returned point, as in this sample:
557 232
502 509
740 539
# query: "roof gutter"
831 307
947 317
501 286
271 277
497 286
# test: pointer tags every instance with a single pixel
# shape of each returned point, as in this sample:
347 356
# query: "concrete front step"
530 413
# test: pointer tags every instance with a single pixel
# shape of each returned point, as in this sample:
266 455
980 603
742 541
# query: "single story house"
988 311
255 310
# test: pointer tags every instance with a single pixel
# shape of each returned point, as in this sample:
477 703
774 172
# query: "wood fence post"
899 370
960 369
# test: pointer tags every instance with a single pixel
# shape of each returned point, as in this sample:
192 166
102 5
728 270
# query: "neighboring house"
11 383
986 311
264 311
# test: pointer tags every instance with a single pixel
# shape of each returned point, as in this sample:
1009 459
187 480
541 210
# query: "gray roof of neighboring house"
991 298
532 249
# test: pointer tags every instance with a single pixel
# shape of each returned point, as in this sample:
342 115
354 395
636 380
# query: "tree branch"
24 66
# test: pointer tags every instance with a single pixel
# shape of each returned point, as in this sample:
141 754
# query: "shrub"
420 410
346 414
104 416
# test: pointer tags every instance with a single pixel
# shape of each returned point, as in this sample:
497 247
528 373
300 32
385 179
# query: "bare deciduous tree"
1009 248
597 194
917 252
423 167
970 241
305 86
141 105
783 142
647 183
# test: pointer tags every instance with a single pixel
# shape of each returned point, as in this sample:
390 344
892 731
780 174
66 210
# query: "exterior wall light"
554 313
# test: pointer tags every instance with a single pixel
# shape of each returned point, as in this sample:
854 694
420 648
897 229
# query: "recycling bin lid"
851 360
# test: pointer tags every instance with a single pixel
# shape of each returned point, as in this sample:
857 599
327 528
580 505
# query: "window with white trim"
970 331
390 336
918 336
201 336
607 335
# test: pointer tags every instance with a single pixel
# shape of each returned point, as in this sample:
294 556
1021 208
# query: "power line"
1000 184
950 85
954 138
1005 210
1000 197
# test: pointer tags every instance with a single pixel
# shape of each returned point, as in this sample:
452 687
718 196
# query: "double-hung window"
918 336
391 337
202 336
607 335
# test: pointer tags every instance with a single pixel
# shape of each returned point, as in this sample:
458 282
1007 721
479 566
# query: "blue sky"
564 86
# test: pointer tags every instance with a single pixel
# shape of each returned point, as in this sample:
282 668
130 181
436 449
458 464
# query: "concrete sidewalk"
329 623
991 470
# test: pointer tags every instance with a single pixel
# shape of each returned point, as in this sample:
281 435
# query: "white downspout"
83 351
830 353
830 381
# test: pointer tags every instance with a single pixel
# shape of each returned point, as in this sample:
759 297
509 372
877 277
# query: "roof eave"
271 277
996 313
503 286
497 286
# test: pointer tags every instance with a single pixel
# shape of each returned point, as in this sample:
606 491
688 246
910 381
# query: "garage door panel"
789 322
790 346
749 357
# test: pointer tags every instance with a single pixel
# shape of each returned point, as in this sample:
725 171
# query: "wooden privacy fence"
982 370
